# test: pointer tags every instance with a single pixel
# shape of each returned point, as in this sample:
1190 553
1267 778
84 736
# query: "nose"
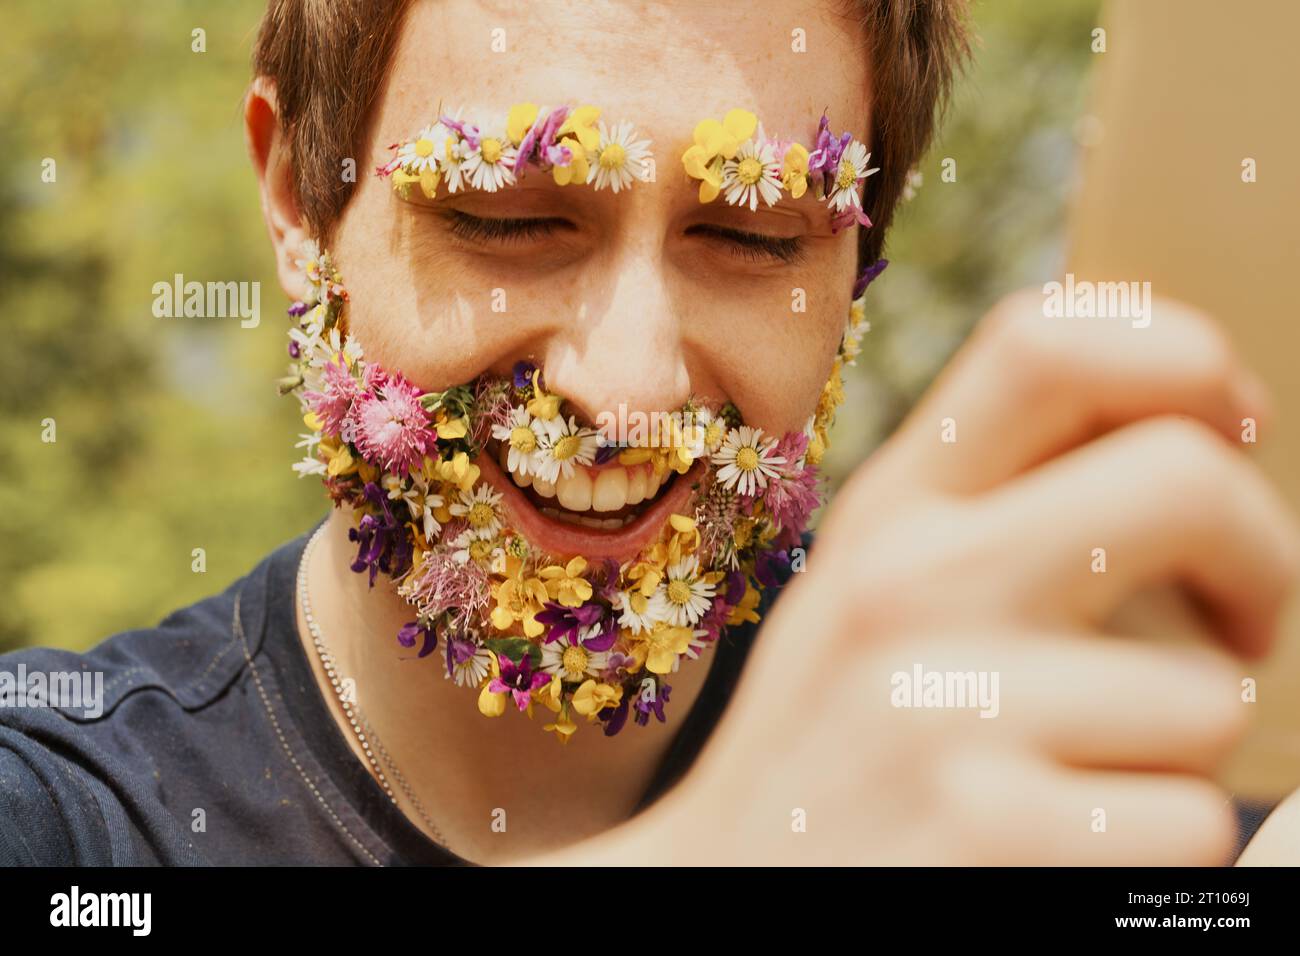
624 348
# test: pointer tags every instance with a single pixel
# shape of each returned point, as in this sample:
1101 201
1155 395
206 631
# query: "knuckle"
1191 450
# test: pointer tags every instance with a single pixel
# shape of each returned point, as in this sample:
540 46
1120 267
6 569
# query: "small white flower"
683 597
490 165
479 508
427 150
752 175
521 441
571 660
853 169
563 444
619 159
746 460
471 672
634 608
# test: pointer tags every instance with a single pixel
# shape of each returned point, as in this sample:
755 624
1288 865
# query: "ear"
269 150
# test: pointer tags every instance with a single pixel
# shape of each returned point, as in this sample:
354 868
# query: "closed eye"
753 246
505 231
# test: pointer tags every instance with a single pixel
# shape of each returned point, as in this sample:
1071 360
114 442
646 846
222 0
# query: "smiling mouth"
599 511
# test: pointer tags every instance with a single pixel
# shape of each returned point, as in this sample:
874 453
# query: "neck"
466 769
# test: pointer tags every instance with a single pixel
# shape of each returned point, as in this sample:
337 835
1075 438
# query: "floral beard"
719 506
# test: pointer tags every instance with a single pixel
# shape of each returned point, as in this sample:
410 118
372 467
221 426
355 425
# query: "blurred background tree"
170 435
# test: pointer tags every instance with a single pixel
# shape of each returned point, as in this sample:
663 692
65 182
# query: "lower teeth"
569 517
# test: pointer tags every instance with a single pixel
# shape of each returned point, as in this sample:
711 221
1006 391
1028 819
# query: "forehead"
662 65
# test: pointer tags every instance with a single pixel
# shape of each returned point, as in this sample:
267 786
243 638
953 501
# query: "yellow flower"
459 471
562 728
593 697
551 694
714 143
683 538
520 121
312 422
452 428
340 460
491 704
566 584
664 645
581 124
744 611
519 600
574 174
541 405
794 170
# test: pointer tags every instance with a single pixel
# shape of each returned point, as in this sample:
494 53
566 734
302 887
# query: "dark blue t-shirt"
215 745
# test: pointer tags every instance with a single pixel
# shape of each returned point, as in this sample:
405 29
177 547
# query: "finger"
1119 818
1161 501
1109 702
1077 699
1028 387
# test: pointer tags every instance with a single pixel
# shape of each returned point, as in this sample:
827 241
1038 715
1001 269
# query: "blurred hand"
977 555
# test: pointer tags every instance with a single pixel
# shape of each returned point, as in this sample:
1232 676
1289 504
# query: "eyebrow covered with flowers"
735 158
574 145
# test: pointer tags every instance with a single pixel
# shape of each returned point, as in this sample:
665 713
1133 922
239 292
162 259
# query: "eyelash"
753 246
475 228
750 246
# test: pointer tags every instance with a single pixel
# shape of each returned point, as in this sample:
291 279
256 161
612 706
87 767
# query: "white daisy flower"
427 150
419 502
310 464
754 174
571 660
619 159
468 546
853 169
746 460
479 508
562 445
470 673
490 165
634 611
521 441
683 596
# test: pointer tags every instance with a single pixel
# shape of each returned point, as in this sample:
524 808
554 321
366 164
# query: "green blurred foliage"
170 435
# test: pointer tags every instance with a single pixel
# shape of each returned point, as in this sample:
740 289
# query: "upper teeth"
604 489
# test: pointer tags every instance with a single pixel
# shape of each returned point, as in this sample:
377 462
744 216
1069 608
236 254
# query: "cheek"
771 347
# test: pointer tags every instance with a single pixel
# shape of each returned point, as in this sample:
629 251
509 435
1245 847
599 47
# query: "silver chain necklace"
365 734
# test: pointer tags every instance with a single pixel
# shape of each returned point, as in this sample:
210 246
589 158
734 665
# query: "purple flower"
523 375
868 275
468 131
414 629
381 543
614 718
772 568
644 708
297 309
518 679
585 626
459 650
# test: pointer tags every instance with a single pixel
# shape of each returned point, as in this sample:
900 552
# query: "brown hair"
328 59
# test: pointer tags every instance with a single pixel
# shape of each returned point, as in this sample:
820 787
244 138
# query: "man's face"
637 299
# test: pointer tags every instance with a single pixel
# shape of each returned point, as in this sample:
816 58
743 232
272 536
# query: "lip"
564 540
